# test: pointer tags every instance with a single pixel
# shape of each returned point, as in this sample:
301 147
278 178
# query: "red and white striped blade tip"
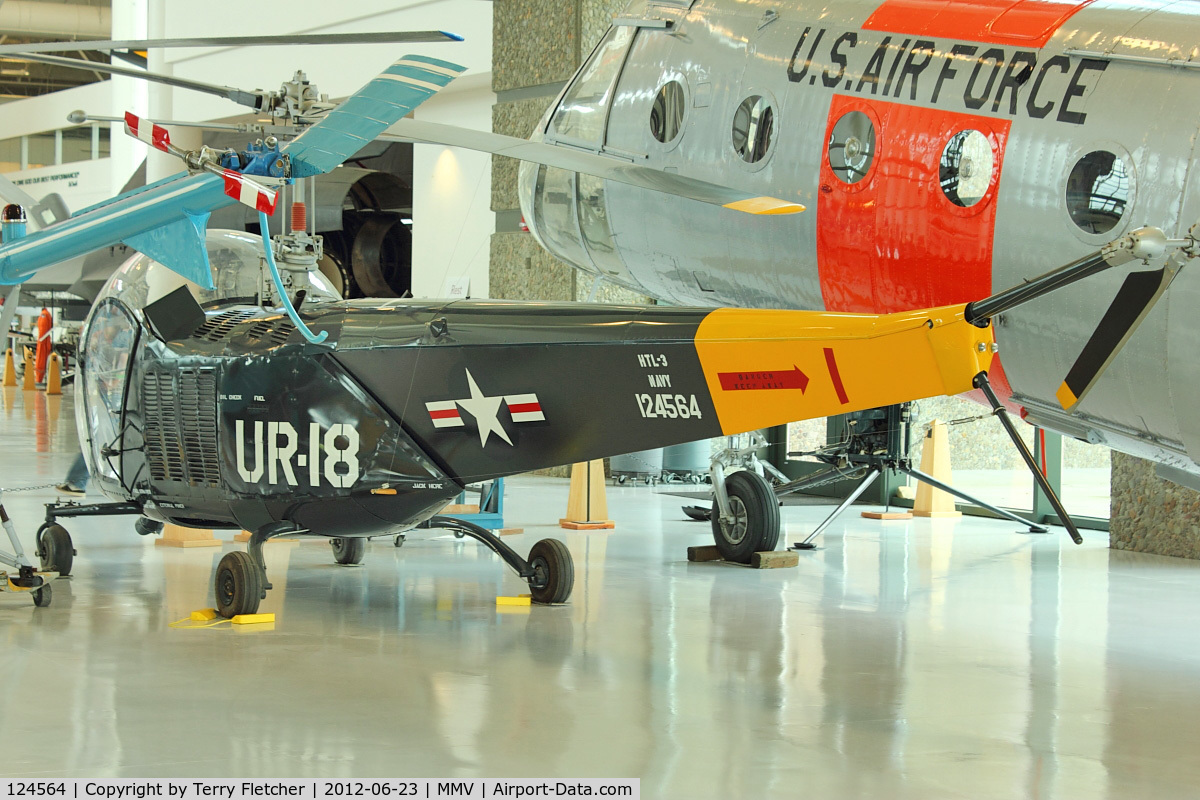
154 135
249 193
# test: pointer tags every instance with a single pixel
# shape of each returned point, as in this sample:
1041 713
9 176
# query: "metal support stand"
981 382
881 443
16 559
872 474
961 495
486 537
11 301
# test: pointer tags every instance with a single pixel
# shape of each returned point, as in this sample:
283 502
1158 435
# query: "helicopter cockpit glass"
583 113
109 340
114 324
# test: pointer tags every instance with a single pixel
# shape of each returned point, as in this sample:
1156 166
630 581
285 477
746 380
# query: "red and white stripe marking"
445 414
524 408
154 135
249 193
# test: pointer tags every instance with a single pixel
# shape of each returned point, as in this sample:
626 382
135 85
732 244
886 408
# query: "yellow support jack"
29 384
54 376
10 368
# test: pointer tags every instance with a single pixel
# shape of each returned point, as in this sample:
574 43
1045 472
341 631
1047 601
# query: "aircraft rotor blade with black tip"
1138 294
378 37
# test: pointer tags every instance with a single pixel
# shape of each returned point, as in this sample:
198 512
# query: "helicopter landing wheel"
238 585
553 572
55 550
42 596
348 551
399 540
755 524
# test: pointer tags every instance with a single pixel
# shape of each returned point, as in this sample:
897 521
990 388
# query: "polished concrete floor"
918 659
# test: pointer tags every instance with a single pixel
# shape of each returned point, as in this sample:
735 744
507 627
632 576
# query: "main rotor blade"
238 96
1138 294
382 37
359 120
601 166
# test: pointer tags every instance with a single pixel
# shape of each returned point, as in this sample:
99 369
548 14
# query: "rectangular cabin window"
583 113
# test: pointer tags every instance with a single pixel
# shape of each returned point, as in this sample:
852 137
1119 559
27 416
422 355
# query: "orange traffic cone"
54 375
10 368
29 385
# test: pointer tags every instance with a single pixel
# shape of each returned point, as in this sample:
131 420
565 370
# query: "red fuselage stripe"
1022 23
525 408
450 414
831 360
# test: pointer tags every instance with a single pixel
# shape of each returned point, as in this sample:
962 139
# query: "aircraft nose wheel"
238 585
55 550
553 572
348 551
754 526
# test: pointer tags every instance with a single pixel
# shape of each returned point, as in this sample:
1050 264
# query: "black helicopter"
215 409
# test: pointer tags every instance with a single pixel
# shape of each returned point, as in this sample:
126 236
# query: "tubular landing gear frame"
241 581
54 545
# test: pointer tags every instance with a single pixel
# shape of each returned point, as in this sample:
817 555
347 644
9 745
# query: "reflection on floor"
904 660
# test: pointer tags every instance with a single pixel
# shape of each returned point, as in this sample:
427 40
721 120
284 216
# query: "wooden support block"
587 506
176 536
519 600
705 553
887 515
593 525
935 461
461 508
510 531
774 559
769 559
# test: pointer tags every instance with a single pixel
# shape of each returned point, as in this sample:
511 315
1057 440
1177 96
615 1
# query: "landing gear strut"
745 515
549 571
241 582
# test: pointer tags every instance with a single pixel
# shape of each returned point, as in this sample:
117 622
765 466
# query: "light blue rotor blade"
369 112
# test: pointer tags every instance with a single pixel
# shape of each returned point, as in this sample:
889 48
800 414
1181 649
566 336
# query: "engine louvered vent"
181 426
162 428
218 327
276 332
282 332
198 425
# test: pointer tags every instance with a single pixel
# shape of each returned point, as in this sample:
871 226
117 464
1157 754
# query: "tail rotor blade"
1129 308
154 135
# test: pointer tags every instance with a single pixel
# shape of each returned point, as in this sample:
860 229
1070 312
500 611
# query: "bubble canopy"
235 259
113 329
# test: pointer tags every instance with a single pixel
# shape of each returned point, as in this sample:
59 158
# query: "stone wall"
983 444
537 46
1151 515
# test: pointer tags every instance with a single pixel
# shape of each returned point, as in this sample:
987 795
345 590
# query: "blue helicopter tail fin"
179 245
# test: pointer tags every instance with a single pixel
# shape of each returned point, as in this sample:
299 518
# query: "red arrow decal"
775 379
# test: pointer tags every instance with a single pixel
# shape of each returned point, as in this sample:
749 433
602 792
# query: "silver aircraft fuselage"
941 156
